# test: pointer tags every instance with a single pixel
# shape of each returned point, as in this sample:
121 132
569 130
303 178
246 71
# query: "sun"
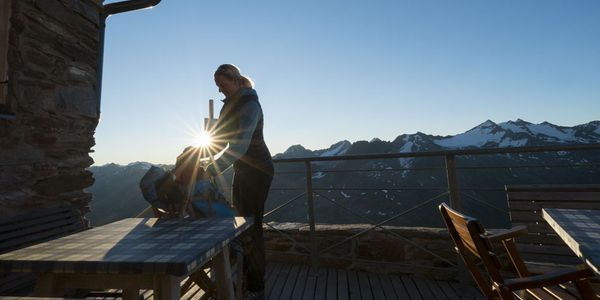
202 139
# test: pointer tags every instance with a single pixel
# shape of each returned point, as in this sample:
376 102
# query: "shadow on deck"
287 281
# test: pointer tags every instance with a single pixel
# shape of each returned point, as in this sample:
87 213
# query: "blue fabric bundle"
208 201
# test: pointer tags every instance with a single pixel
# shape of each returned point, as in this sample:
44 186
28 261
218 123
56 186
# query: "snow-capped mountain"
488 134
389 186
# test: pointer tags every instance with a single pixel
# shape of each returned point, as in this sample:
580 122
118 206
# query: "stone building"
50 74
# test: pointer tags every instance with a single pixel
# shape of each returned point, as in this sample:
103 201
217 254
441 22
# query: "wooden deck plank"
448 290
332 284
423 287
311 282
353 286
435 289
279 282
411 288
388 287
321 288
342 288
298 291
399 288
288 287
271 279
376 287
466 291
285 281
365 286
194 293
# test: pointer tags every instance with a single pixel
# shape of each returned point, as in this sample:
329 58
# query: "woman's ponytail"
232 72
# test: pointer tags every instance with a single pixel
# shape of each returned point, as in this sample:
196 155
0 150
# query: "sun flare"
202 139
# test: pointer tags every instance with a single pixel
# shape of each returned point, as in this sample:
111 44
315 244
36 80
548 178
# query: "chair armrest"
508 233
547 279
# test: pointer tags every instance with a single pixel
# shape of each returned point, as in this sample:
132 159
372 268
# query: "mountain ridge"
518 133
116 192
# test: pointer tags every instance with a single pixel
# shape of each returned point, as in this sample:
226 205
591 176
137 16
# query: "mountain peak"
487 123
140 164
338 148
486 127
519 122
294 149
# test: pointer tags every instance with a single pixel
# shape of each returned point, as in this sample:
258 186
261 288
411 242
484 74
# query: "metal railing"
452 192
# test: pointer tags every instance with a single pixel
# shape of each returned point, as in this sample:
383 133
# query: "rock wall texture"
53 91
380 251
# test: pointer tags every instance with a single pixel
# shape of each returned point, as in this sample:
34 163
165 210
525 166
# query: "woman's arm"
250 114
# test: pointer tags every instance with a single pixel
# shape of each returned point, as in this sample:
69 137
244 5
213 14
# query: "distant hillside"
116 193
394 185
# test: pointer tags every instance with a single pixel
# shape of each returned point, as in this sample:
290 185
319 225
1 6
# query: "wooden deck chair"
473 244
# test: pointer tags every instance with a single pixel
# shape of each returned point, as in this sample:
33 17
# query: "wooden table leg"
167 287
222 268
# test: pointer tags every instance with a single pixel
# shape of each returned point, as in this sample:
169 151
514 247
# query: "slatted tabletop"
130 246
580 229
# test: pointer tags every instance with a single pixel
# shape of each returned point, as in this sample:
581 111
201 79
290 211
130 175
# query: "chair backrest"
469 237
542 246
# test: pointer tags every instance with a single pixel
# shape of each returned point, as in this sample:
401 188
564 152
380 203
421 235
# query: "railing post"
454 203
314 255
452 182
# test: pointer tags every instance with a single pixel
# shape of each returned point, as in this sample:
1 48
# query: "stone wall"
375 251
53 91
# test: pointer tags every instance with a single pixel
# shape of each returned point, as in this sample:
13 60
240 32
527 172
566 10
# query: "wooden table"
132 254
580 229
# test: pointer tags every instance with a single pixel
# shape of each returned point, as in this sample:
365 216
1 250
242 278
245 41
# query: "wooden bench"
542 249
34 228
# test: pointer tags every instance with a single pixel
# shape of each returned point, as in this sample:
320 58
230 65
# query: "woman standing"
240 125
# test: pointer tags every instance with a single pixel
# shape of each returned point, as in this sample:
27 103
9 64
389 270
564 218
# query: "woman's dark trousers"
250 191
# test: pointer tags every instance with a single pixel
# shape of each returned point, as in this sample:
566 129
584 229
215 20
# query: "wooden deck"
296 282
286 281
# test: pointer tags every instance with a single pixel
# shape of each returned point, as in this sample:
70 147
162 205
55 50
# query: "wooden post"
314 255
452 182
222 268
210 121
454 203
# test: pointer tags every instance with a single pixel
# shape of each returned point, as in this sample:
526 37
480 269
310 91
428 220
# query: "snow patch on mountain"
506 142
340 149
552 131
514 127
485 133
318 175
406 162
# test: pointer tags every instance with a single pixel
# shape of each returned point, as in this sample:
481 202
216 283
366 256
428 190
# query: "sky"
334 70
